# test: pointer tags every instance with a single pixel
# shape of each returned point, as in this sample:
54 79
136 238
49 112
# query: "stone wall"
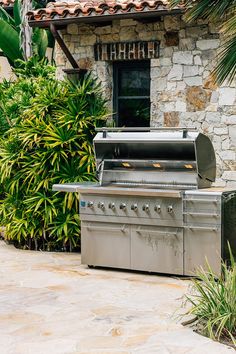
182 89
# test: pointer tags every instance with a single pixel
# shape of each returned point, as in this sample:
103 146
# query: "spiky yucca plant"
50 142
213 302
222 12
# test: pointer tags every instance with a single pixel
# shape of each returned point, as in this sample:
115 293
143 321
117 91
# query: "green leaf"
6 17
40 42
226 67
9 41
17 13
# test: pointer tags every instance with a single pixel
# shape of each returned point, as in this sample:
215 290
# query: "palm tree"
26 30
223 12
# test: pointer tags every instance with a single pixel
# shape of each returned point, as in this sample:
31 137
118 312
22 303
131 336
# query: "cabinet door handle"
103 228
143 231
201 214
201 200
207 228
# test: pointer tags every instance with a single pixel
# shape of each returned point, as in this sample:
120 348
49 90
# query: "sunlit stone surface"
51 304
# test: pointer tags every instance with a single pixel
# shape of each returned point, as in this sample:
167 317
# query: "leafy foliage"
15 97
49 141
10 35
214 302
218 11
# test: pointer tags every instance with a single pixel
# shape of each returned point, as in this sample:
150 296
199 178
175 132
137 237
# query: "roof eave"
60 22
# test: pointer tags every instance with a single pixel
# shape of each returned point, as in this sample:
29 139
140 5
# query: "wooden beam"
63 46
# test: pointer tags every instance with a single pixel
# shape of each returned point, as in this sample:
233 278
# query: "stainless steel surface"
157 208
110 190
123 206
105 244
139 207
90 204
202 246
112 206
147 185
101 206
73 187
153 208
167 156
134 207
202 232
133 220
144 129
157 249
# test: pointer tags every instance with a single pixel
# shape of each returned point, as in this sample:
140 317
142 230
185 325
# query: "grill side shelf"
97 189
72 187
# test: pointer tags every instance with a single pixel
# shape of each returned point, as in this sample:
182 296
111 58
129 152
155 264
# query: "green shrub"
214 302
15 97
49 142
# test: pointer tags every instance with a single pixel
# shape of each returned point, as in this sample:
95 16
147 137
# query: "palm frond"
210 9
226 67
223 12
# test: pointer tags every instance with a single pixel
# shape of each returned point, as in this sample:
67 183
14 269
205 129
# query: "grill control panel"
161 207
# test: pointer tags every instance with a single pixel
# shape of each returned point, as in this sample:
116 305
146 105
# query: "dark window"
132 93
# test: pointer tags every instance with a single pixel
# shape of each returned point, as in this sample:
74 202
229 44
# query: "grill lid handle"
104 130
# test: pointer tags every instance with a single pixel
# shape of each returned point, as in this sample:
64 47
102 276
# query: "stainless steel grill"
153 207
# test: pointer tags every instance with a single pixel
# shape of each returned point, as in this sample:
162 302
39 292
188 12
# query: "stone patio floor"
51 304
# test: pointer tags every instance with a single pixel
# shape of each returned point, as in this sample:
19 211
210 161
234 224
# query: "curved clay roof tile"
95 7
7 3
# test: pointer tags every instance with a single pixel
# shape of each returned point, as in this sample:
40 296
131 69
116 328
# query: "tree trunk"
26 30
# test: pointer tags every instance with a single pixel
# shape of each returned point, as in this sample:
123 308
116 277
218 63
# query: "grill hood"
180 158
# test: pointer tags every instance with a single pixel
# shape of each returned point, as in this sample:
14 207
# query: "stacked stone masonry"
182 89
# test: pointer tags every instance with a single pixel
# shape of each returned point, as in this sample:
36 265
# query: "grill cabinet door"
202 245
105 244
157 249
202 233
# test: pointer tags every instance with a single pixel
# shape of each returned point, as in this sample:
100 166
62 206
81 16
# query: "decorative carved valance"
127 50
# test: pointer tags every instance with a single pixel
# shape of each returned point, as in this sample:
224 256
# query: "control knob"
170 209
90 204
112 206
101 206
157 208
146 207
122 206
134 207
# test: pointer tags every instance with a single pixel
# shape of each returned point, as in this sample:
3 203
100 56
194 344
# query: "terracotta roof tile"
6 3
86 8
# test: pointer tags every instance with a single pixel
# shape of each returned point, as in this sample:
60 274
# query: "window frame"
117 65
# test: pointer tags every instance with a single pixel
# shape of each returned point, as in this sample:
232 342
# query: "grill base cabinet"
153 208
145 248
207 224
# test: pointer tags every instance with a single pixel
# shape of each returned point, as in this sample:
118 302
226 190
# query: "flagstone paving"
51 304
